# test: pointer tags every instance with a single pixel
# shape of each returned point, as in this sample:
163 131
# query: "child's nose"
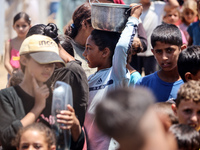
84 53
194 118
165 57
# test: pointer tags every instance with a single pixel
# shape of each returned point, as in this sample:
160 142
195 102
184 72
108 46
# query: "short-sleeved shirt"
162 90
194 32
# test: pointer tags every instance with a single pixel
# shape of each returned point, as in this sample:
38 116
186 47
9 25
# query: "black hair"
118 115
166 33
187 137
49 30
83 12
105 39
189 61
23 15
65 42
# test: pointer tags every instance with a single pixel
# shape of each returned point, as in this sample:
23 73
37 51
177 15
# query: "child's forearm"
124 43
76 131
8 67
31 116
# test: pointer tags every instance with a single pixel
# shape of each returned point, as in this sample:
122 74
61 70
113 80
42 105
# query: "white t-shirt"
151 18
105 80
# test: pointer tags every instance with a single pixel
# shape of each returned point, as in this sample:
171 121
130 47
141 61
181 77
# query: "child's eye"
37 146
25 146
88 48
198 112
188 111
169 50
24 26
158 51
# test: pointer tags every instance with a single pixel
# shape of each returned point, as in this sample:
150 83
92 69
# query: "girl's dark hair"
65 42
83 12
50 30
43 129
186 136
105 39
23 15
166 33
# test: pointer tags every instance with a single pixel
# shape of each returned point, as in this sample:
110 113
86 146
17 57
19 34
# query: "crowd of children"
115 106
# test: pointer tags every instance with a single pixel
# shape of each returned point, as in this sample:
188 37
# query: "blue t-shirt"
194 32
162 90
134 77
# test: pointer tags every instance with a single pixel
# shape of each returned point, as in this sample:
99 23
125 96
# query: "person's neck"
169 76
27 85
80 38
146 6
105 65
20 38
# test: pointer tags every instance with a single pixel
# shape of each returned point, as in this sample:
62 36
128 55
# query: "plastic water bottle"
62 95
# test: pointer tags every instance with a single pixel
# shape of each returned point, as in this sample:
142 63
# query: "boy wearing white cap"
26 103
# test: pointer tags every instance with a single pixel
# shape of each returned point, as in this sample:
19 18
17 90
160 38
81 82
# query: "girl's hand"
136 11
40 93
67 118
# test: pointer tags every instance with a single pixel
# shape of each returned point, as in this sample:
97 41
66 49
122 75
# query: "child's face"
166 55
21 27
189 15
188 112
172 17
92 54
33 140
41 72
156 133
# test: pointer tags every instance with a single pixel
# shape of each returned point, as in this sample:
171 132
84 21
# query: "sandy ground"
3 74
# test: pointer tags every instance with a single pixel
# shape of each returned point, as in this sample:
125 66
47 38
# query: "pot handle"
95 0
126 12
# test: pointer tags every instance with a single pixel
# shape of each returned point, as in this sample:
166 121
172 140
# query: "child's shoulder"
195 23
147 78
7 93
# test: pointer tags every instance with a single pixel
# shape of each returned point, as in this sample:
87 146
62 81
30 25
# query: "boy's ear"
106 52
174 108
184 46
188 76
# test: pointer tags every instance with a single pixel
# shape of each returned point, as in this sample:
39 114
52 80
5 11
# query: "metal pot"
109 17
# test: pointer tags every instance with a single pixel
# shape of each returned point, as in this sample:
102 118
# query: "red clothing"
119 1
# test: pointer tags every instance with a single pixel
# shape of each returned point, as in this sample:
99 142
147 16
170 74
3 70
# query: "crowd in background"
135 89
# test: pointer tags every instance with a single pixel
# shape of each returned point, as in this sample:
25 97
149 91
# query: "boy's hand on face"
40 93
136 11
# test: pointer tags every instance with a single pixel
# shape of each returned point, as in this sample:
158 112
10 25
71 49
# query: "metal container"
109 16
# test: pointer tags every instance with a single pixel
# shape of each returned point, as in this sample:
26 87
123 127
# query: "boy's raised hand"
40 93
136 11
